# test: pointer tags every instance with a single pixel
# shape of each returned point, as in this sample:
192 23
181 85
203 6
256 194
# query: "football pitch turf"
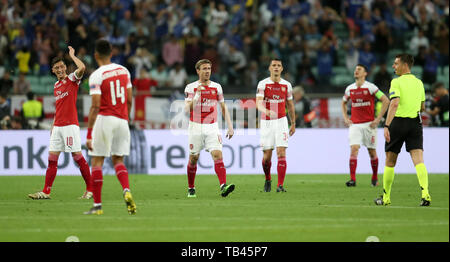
315 208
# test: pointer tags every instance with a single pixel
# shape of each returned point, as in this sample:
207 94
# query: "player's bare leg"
85 173
267 164
281 168
221 172
97 183
191 171
50 176
374 164
422 175
122 176
354 150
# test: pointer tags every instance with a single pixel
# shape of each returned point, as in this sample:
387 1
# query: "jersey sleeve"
289 92
346 96
220 94
129 84
188 93
373 89
394 91
95 82
73 77
260 89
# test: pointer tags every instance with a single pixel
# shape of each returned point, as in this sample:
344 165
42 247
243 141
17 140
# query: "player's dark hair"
30 95
57 60
406 58
437 85
363 66
103 48
276 59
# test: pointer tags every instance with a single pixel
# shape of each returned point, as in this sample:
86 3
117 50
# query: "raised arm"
80 65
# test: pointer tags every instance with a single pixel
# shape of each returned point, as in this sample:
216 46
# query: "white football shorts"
362 134
204 136
65 139
274 133
110 136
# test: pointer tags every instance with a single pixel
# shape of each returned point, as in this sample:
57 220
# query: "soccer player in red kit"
65 132
202 97
363 124
273 95
108 132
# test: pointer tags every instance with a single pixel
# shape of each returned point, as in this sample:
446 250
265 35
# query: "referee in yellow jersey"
404 125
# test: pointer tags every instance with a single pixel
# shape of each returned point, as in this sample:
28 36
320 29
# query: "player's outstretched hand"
291 130
374 123
230 133
71 51
89 144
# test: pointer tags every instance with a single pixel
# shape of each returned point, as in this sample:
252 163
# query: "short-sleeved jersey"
205 111
363 101
65 92
274 96
111 82
411 92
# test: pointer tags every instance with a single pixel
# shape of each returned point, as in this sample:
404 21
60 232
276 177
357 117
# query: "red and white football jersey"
65 92
274 96
363 100
205 111
111 82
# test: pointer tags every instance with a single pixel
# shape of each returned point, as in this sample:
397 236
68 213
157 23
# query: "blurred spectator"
125 25
141 60
382 79
172 51
418 40
192 53
21 85
143 83
442 104
419 59
366 57
383 42
399 25
5 111
6 83
430 68
117 56
305 75
252 76
236 66
351 46
302 105
32 111
442 41
17 123
325 61
44 50
21 42
366 25
178 77
159 74
23 58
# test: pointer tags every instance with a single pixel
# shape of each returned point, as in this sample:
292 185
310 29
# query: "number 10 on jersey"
117 92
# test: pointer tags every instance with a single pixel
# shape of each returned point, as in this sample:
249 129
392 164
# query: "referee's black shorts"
405 130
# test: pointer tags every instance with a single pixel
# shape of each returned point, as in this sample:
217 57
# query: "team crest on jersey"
365 92
283 89
213 92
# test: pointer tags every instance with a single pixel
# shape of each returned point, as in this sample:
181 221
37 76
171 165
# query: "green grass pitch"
315 208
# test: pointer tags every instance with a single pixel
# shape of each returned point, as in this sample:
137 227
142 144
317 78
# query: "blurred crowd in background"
159 41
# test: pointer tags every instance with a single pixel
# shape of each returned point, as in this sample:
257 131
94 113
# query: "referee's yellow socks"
422 175
388 179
